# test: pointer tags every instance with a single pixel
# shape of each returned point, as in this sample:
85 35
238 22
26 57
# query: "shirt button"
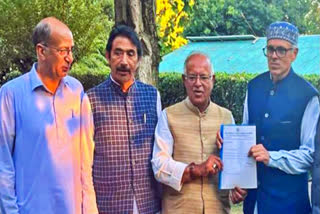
262 137
266 115
133 162
272 92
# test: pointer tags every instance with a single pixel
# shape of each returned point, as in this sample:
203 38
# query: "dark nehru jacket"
124 137
277 111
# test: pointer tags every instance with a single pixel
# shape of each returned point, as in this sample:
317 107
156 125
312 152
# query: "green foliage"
91 70
171 88
313 18
238 17
11 75
86 19
171 17
229 90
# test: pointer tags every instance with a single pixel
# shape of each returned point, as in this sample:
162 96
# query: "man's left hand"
259 153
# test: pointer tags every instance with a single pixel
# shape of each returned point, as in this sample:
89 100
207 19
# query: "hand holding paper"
237 195
260 154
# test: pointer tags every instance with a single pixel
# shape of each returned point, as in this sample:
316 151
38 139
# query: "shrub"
91 70
229 89
86 19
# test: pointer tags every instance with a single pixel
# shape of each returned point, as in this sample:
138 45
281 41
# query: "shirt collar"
34 77
37 82
195 109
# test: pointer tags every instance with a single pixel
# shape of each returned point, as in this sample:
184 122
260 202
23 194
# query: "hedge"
229 89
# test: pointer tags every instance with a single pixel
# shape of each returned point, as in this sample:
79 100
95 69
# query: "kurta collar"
195 109
117 86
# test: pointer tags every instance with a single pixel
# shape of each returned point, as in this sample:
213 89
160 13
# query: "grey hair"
41 33
198 53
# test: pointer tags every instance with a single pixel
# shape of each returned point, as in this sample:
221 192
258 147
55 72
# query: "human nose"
274 54
124 59
69 57
198 81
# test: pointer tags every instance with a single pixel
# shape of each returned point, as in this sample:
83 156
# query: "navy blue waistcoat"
124 135
277 111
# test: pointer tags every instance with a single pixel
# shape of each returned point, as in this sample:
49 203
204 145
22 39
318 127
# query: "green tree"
313 18
87 20
172 16
232 17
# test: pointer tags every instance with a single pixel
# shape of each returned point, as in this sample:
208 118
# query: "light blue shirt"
46 148
300 160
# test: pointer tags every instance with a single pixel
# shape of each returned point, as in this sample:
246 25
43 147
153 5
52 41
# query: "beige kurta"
194 135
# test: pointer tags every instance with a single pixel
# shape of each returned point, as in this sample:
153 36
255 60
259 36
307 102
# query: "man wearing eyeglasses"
285 109
185 156
46 151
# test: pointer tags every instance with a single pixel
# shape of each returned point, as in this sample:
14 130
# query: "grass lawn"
236 209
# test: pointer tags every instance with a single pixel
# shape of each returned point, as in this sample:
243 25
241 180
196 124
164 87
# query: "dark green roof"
234 54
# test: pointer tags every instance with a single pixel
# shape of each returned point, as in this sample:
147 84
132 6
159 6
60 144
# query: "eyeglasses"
280 51
62 51
193 78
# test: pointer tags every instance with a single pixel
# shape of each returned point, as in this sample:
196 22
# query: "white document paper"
238 169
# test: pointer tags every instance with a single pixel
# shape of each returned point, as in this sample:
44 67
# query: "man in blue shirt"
46 151
285 109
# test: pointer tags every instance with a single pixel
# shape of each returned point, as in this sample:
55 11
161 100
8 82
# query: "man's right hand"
211 166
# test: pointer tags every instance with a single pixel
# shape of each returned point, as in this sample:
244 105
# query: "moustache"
125 69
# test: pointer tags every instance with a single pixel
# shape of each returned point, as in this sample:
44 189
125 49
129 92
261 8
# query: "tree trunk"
140 15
